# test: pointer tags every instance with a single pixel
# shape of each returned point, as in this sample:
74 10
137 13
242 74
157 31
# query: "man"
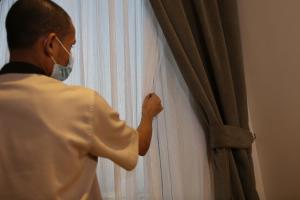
51 134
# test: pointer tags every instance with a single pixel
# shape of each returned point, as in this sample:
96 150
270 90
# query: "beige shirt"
51 135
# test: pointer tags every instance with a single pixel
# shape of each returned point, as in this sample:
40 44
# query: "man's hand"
151 106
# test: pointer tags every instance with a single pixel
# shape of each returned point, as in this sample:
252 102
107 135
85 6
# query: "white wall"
270 32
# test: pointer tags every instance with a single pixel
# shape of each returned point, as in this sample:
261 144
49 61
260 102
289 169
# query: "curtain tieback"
230 137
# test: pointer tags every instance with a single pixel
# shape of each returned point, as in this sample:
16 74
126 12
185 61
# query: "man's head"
33 30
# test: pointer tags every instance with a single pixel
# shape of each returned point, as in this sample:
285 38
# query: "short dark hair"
27 20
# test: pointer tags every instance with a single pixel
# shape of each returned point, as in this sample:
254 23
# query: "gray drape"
205 40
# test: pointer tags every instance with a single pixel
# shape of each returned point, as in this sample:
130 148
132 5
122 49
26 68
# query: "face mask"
61 72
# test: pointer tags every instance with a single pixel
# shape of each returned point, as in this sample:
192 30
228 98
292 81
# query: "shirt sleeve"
111 137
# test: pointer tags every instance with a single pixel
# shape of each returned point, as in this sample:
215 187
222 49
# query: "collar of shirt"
21 67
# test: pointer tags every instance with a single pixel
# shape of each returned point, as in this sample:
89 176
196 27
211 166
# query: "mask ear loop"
53 59
63 46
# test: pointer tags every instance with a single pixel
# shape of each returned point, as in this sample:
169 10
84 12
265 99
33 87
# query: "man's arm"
151 107
145 134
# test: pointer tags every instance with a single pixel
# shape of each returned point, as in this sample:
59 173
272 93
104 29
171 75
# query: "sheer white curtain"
109 60
122 54
178 154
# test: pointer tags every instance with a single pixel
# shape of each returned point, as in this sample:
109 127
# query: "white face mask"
61 72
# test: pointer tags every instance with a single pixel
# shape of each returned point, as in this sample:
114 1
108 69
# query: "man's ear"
49 44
